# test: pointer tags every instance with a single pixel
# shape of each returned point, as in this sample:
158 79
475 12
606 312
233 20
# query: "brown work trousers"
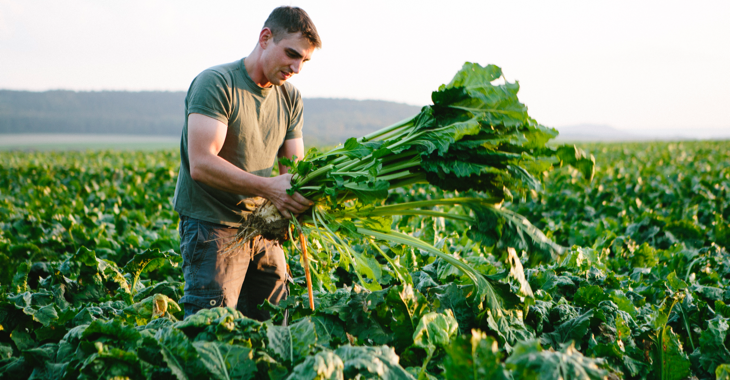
242 280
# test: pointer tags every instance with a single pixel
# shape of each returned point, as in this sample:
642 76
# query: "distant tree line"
326 121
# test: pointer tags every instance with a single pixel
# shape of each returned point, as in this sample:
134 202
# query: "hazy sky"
643 66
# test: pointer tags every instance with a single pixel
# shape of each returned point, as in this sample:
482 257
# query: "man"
240 117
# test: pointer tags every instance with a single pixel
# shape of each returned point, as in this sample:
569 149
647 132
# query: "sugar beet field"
634 285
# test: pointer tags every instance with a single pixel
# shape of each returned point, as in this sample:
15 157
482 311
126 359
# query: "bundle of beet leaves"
475 139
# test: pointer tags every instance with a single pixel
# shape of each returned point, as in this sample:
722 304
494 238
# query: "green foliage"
618 277
670 361
713 351
474 357
148 260
530 361
723 372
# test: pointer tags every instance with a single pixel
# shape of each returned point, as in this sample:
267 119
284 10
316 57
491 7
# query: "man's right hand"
285 203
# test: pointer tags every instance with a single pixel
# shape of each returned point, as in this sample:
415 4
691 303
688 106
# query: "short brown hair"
285 19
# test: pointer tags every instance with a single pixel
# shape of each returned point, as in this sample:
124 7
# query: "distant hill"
595 132
603 133
327 121
598 132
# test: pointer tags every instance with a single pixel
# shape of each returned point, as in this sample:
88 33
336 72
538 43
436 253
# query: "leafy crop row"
91 281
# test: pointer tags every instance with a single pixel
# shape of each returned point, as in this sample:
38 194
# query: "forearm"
216 172
283 169
290 149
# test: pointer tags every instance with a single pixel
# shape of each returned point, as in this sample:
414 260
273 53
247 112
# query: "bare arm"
293 147
205 140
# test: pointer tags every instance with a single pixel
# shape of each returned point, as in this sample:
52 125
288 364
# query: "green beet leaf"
573 156
152 307
530 361
22 339
324 365
722 372
180 355
114 332
571 330
407 306
20 279
292 344
371 362
148 260
455 298
713 350
590 296
206 317
670 362
111 362
435 330
475 356
225 361
509 327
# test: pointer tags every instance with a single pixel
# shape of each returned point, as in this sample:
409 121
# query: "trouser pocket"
193 235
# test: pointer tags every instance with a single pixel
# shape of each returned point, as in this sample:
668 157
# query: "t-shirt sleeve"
297 119
210 95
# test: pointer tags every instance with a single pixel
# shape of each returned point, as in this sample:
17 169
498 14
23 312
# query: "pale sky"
642 66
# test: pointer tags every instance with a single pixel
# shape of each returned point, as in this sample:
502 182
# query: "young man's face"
283 59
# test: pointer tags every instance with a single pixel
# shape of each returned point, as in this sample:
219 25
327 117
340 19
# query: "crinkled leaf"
574 329
670 362
154 306
20 279
148 260
510 229
380 362
590 296
111 362
454 297
226 361
530 361
292 344
713 350
113 332
180 355
407 305
368 192
474 75
575 157
324 365
508 326
206 317
475 356
422 281
722 372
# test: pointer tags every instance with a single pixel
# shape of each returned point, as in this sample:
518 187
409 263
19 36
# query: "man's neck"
253 68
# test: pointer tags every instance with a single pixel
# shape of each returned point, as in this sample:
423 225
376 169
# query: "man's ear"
265 37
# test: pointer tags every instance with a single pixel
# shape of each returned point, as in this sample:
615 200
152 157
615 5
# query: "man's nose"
297 66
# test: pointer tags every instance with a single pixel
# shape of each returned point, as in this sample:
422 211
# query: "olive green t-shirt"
258 119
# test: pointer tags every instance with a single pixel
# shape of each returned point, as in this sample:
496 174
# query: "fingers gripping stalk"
270 220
